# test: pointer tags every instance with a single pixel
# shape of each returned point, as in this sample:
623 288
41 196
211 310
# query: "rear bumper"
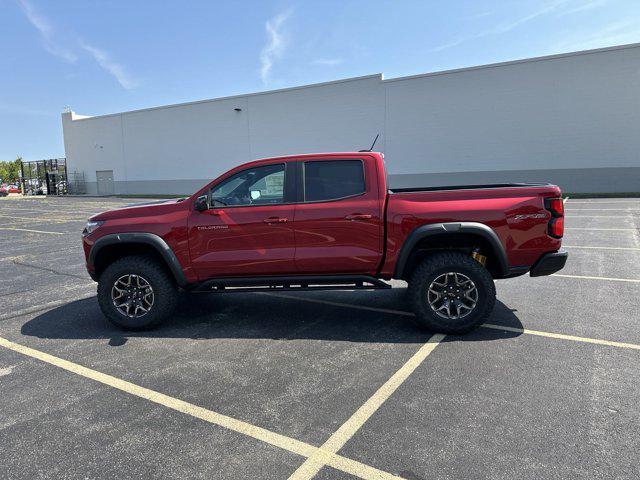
549 263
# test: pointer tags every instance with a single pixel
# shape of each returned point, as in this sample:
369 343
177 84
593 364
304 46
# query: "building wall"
569 119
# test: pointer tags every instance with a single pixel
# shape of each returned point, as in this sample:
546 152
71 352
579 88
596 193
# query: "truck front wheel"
136 293
451 292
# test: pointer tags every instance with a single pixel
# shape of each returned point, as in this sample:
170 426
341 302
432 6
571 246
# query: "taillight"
556 224
555 206
556 227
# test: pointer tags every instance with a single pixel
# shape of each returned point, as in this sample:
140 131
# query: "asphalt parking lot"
326 385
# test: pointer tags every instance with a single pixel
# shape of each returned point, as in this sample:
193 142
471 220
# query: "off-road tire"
430 269
165 292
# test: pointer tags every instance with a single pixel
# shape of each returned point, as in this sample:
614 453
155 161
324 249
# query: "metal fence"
44 177
76 184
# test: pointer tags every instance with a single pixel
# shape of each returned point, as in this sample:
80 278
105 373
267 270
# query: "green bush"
10 171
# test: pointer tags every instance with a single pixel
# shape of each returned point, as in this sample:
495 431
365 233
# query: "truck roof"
320 154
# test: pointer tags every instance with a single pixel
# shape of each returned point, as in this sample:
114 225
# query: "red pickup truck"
325 221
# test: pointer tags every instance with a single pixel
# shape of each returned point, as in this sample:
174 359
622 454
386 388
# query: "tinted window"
254 186
332 179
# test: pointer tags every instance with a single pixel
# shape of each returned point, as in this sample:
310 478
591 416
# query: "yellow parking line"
340 437
40 219
339 304
633 201
600 248
292 445
29 230
52 304
486 325
586 277
603 229
561 336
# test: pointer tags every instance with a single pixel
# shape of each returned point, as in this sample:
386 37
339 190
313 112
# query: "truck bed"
466 187
514 211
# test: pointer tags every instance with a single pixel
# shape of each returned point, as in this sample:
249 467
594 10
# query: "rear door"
248 229
338 220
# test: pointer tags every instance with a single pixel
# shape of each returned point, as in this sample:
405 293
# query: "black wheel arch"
441 231
131 243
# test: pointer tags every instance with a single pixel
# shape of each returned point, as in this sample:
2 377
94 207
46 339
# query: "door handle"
358 216
276 220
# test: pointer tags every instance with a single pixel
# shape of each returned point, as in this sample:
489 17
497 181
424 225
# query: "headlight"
90 227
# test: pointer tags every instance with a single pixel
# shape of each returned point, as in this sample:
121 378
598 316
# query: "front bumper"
549 263
87 243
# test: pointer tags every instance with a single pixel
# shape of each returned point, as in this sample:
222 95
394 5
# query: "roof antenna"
372 145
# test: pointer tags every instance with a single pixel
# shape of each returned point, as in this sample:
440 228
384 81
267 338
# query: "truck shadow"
314 316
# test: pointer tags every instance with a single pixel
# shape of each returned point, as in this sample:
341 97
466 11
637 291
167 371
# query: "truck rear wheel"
451 292
136 293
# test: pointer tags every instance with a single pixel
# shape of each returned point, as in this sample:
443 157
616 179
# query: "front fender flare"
146 238
432 229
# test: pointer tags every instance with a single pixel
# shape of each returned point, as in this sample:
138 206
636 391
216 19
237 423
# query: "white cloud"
551 7
616 33
120 73
327 62
452 44
46 31
505 27
583 6
276 44
487 13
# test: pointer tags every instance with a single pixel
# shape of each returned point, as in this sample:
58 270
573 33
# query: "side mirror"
255 194
201 204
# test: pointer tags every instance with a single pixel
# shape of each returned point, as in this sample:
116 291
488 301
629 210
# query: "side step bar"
288 283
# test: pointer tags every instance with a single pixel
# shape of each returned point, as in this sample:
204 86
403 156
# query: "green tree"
10 171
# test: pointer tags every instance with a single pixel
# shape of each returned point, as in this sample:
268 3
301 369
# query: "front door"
104 182
248 229
338 224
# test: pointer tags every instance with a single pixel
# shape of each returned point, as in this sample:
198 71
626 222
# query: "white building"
571 119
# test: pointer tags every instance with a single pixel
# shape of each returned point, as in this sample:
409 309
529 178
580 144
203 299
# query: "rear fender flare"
432 229
145 238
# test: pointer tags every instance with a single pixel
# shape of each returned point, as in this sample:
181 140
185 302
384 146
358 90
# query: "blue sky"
104 56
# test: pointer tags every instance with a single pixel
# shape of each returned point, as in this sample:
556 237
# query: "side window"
330 180
254 186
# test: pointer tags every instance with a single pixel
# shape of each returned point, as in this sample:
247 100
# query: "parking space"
59 425
320 384
488 407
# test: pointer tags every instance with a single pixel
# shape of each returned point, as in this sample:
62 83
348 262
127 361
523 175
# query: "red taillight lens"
556 224
555 206
556 227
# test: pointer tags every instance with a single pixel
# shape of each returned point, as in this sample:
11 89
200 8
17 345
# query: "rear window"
330 180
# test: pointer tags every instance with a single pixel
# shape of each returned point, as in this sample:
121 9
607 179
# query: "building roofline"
515 62
369 77
231 97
